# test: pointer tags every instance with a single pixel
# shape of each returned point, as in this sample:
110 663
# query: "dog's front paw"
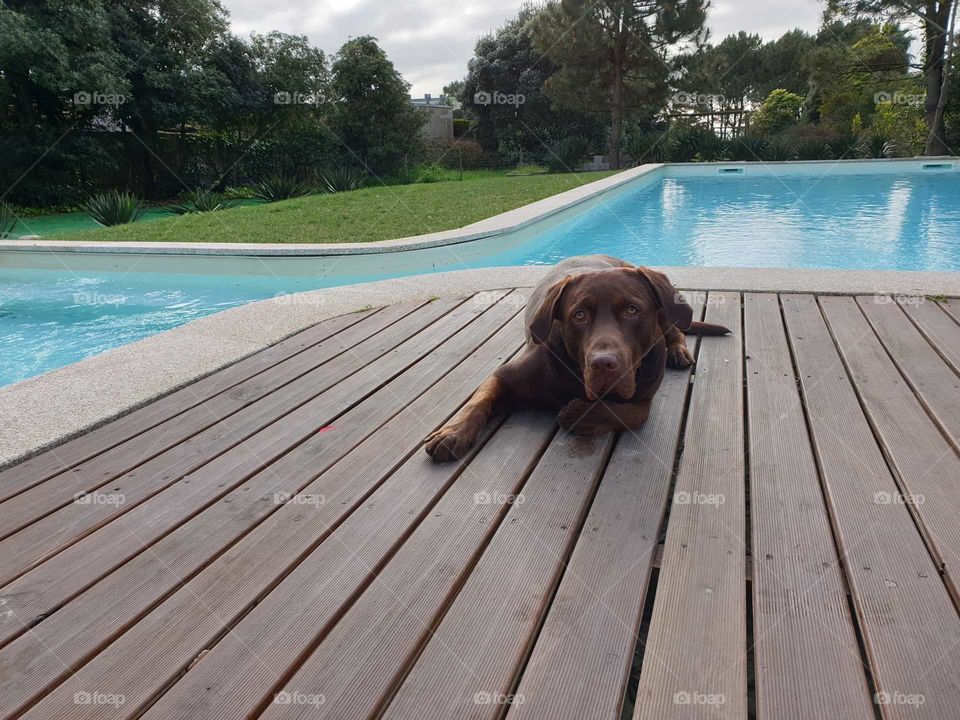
679 356
451 442
578 417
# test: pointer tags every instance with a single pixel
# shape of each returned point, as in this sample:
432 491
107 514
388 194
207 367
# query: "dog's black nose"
604 362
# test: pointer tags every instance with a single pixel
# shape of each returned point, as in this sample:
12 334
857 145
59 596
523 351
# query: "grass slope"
374 213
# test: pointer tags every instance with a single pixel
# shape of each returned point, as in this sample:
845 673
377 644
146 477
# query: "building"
440 116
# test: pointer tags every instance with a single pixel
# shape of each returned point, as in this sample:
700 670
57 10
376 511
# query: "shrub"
343 179
877 145
8 220
780 110
114 208
567 155
650 147
844 146
696 144
200 201
812 149
431 174
747 148
280 187
777 151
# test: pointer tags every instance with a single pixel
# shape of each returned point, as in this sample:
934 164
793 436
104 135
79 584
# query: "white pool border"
42 412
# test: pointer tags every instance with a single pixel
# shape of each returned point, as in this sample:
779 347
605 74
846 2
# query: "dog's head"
608 320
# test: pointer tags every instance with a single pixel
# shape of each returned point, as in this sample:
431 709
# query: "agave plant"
114 208
689 144
777 151
200 201
648 147
747 148
8 220
812 149
280 187
343 179
844 146
567 154
877 145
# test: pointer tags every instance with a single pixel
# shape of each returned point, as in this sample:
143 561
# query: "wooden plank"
909 625
476 644
349 557
807 660
695 659
580 664
249 567
254 433
41 467
951 306
87 477
933 381
938 327
924 463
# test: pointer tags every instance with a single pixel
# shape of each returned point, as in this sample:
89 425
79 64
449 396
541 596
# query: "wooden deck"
782 540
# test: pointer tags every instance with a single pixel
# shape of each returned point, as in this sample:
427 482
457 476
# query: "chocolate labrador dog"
600 332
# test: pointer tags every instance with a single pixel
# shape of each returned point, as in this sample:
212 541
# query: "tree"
506 66
614 54
934 16
779 111
373 118
783 64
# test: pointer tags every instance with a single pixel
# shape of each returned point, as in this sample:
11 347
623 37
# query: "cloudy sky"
430 42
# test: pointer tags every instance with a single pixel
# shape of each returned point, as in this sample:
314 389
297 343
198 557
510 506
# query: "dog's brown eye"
580 315
631 310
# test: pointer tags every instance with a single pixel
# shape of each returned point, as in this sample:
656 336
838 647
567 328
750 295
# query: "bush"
567 155
844 146
877 145
200 201
780 110
777 151
747 148
8 220
114 208
649 147
431 173
343 179
812 149
691 144
450 153
280 187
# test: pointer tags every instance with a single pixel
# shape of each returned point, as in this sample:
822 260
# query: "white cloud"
431 42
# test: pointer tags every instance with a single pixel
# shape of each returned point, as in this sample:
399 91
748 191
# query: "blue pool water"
891 222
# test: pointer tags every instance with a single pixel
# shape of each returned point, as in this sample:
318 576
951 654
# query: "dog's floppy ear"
542 322
669 299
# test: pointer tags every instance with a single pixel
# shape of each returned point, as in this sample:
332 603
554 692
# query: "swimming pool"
806 217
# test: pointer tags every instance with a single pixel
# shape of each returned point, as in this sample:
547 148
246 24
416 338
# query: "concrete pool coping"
44 411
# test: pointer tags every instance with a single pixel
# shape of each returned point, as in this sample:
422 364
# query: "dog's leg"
453 440
582 417
678 354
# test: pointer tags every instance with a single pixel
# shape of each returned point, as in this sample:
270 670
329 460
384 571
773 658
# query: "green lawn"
376 213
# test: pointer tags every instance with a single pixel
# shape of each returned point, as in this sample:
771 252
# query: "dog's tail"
702 328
